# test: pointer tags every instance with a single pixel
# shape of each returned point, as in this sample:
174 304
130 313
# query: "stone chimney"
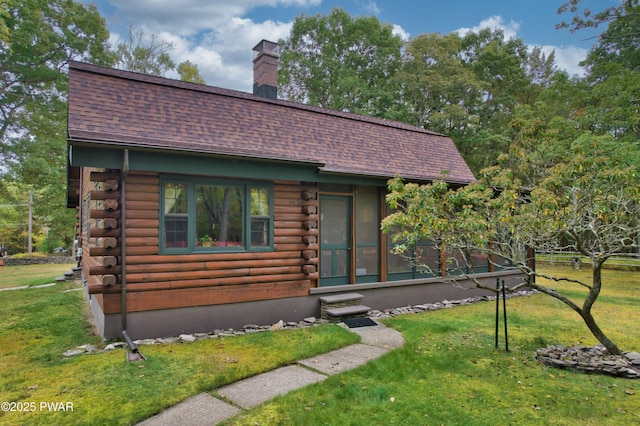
265 70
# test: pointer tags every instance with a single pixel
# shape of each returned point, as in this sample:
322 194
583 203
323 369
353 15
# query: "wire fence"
576 259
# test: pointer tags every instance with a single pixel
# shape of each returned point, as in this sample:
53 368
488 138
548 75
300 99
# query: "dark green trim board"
177 162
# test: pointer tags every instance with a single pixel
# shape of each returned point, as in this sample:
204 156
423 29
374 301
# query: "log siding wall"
156 281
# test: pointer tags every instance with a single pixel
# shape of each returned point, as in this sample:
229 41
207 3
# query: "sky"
218 35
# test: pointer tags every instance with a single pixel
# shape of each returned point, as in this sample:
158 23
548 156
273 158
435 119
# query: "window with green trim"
203 215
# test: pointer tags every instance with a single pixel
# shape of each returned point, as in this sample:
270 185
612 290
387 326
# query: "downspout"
123 256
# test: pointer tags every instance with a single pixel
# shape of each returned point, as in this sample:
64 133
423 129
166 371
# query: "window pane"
218 216
175 214
175 198
176 230
260 201
260 217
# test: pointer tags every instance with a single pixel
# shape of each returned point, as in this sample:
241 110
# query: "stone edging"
281 325
188 338
581 358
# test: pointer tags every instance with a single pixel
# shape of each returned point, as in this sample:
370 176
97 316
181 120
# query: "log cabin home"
201 208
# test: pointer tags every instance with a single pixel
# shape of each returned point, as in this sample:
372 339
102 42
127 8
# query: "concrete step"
343 305
347 312
341 298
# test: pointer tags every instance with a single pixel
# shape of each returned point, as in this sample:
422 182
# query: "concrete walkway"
23 287
205 409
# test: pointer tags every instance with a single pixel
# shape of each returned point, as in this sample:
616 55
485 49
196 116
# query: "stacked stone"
591 359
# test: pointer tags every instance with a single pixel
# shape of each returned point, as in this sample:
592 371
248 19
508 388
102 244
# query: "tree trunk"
585 310
591 298
612 348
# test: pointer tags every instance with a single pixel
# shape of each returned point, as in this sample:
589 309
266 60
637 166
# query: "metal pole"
497 308
30 220
504 308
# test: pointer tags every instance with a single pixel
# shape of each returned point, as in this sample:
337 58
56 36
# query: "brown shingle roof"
135 110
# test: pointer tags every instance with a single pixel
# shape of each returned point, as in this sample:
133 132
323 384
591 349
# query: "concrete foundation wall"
173 322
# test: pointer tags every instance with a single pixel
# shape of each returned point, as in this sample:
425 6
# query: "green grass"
21 275
38 325
448 371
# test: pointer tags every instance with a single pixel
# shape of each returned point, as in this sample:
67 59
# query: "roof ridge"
164 81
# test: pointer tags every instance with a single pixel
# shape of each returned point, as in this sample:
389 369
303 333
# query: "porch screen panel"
367 234
427 259
399 267
398 264
326 263
422 260
176 214
480 262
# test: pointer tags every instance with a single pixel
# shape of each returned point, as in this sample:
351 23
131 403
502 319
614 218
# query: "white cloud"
399 31
568 58
217 36
224 57
493 23
370 7
189 17
214 35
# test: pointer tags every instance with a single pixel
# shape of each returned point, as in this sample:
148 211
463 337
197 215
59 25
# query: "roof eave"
226 154
382 175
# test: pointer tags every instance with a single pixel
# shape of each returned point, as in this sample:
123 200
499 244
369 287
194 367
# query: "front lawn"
449 372
20 275
38 325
